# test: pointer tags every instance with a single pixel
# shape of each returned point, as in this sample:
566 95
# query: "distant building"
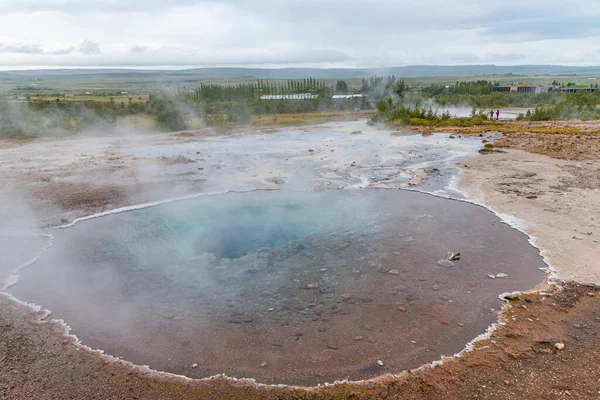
506 89
524 89
298 96
69 95
576 90
347 96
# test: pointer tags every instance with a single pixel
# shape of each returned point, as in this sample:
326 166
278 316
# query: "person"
492 114
497 115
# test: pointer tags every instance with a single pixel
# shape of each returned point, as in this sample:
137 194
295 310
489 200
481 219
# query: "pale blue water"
226 227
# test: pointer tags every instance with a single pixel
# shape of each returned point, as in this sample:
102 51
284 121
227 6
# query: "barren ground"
558 202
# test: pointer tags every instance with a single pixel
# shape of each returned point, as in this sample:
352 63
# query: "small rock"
491 276
394 272
383 269
453 256
263 364
380 363
332 346
312 285
445 263
435 287
591 294
346 296
413 342
501 275
194 365
559 346
461 325
277 344
371 339
402 308
507 382
358 338
512 296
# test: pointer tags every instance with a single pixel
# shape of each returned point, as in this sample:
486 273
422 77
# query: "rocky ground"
546 348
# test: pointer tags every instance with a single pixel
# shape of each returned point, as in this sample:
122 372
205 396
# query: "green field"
137 98
137 83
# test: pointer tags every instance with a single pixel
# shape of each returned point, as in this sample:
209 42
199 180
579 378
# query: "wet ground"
284 287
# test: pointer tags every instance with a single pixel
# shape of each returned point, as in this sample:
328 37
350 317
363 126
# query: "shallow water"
297 281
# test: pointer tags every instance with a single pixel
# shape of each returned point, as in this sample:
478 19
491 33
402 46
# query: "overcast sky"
297 33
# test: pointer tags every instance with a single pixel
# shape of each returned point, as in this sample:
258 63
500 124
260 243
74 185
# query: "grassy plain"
148 81
135 98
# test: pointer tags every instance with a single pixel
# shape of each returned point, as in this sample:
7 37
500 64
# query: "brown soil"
562 146
81 197
545 127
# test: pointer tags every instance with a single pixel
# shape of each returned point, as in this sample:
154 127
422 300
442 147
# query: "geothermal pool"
294 287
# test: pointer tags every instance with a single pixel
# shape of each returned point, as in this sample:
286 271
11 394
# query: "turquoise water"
229 227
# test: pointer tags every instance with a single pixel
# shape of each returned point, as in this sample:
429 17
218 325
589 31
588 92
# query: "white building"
347 96
298 96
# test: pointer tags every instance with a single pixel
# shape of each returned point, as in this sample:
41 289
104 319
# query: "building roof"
347 96
297 96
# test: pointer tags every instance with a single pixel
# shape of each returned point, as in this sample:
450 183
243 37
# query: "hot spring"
282 286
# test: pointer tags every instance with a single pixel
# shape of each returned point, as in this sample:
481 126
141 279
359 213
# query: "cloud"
86 47
21 48
350 33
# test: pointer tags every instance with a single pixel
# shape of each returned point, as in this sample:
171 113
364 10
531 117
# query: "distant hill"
298 73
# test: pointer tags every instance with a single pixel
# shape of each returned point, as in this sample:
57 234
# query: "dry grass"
567 140
135 98
309 118
546 127
557 145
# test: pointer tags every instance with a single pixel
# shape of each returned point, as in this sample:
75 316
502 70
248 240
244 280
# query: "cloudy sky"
285 33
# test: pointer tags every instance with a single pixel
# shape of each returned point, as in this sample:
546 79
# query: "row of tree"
473 88
247 91
380 87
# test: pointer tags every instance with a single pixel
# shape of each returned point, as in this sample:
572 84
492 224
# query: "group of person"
497 114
